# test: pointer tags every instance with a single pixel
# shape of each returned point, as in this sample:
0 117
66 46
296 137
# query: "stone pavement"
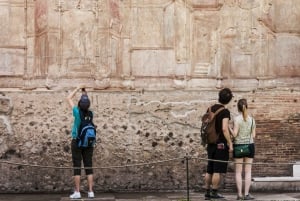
180 196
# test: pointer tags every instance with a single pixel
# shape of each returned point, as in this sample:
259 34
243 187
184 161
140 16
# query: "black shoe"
216 196
249 197
239 198
207 196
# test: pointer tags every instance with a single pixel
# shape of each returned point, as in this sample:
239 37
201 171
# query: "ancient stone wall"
152 67
136 128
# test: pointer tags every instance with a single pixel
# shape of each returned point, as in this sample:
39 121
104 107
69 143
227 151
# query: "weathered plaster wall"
134 44
151 67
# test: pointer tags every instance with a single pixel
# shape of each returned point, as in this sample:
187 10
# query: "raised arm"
72 94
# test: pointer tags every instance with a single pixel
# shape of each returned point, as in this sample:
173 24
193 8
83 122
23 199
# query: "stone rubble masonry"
136 127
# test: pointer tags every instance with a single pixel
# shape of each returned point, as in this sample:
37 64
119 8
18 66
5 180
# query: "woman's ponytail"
242 107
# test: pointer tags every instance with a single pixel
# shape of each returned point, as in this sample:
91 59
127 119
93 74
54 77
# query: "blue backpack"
87 131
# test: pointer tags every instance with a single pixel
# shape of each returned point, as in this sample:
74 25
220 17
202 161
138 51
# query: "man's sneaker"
91 194
249 197
207 196
75 195
216 195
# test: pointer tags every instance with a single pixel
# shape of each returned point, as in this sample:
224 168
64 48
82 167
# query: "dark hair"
84 103
225 96
242 107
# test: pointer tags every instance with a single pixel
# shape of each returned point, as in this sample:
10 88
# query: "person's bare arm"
225 125
253 131
72 94
235 129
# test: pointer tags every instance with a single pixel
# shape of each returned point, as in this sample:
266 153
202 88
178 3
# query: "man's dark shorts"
82 154
215 153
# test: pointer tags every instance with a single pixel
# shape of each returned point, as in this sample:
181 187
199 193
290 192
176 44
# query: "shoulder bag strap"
251 130
219 110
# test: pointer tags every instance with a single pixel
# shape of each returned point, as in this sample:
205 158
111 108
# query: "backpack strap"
218 111
90 114
251 129
215 115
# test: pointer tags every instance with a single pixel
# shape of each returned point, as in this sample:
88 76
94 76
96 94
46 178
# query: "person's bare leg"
238 175
216 180
216 177
77 183
90 182
207 186
248 167
208 181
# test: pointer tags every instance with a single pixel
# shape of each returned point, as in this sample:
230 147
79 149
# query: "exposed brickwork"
278 128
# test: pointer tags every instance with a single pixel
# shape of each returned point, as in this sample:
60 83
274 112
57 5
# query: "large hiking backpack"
87 132
208 131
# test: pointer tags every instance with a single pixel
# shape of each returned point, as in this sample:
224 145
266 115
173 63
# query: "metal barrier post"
187 178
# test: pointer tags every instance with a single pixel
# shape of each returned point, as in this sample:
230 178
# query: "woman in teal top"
76 122
79 155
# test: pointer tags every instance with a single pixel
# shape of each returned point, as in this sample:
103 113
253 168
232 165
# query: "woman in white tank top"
243 133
